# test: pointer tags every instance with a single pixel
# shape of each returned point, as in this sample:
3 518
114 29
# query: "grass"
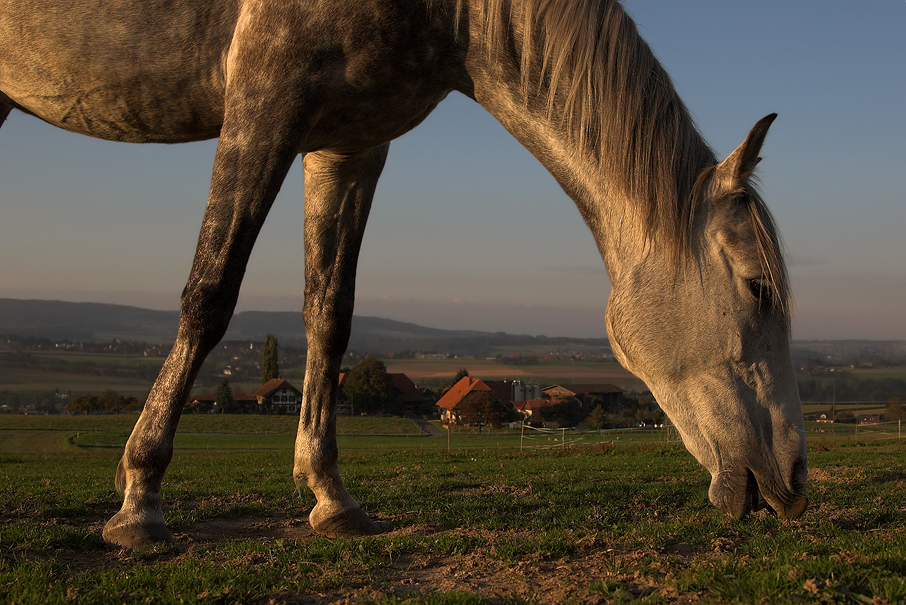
548 372
32 381
209 423
480 525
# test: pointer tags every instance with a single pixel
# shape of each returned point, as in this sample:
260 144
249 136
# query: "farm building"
535 408
242 404
404 391
405 397
277 395
586 393
512 392
471 402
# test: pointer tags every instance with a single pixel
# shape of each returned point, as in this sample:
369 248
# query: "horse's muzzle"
739 493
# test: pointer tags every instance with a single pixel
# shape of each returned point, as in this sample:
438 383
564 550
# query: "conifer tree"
270 365
223 398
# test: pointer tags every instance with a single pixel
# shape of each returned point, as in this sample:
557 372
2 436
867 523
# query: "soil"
477 572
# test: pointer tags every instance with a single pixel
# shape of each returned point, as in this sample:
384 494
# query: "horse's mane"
612 97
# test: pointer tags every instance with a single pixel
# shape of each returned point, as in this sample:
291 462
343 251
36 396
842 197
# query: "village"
469 403
836 385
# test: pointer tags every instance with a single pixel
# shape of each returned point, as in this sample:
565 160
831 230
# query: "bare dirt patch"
245 529
583 577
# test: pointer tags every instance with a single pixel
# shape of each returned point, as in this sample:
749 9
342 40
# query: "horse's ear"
739 165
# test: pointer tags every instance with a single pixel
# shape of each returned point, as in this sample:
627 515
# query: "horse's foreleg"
248 170
338 194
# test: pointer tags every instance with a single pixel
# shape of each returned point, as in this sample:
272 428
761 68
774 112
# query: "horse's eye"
761 290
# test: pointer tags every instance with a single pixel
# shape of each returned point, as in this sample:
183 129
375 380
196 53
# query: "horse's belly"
135 111
149 71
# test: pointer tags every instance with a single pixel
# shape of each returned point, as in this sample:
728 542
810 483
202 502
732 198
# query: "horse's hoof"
347 523
137 536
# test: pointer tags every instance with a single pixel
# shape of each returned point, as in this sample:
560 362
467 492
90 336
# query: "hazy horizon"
450 324
468 231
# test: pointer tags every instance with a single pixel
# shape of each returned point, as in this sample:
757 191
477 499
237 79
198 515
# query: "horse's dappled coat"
698 307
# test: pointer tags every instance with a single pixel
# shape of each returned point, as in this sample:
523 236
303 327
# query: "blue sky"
468 231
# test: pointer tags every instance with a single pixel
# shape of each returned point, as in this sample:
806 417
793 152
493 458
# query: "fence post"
522 435
563 437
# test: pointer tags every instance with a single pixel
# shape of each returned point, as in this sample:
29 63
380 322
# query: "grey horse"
699 307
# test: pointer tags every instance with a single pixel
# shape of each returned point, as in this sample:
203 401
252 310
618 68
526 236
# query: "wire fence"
857 432
531 437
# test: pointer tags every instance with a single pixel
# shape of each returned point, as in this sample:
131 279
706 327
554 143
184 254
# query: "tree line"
107 401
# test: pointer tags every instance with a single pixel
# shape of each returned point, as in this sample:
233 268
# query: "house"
279 396
504 390
513 392
244 404
405 397
824 417
536 408
869 419
586 393
404 392
471 402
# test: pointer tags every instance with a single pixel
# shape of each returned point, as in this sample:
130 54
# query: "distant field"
100 358
877 373
41 381
856 408
422 371
21 434
552 372
210 423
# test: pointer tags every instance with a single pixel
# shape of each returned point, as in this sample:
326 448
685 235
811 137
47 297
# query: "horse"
700 300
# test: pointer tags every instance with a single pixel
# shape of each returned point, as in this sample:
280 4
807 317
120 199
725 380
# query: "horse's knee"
205 315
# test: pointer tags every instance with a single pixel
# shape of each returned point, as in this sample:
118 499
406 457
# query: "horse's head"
709 334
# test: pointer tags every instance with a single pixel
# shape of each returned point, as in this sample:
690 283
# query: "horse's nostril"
799 476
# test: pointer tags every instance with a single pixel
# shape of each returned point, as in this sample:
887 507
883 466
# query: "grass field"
549 372
28 381
422 371
615 521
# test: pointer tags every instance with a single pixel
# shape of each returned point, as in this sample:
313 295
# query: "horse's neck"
577 170
627 192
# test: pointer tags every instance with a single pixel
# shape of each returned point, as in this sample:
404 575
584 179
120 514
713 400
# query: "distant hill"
99 322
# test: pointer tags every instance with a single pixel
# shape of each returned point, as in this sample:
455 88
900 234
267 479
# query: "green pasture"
209 423
621 518
239 432
33 382
111 359
878 373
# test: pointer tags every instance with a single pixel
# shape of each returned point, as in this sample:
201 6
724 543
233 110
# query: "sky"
468 230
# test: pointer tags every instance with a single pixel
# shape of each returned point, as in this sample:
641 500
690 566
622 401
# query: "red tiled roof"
503 389
407 389
458 391
587 389
211 400
272 385
537 404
